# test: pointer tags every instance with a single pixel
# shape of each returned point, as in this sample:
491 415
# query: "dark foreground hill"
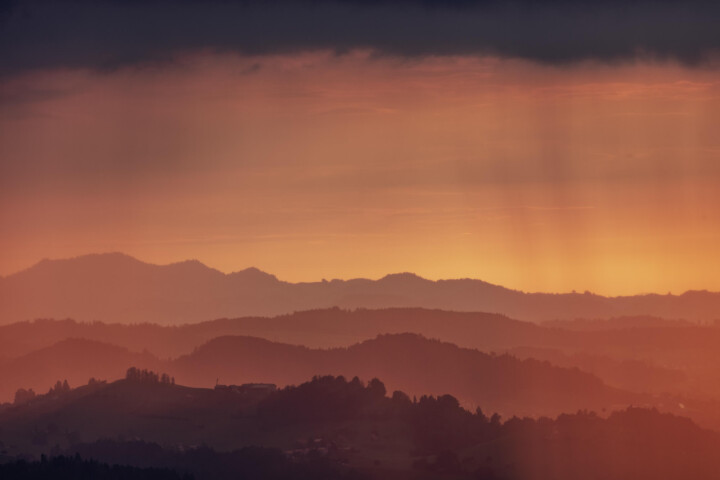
75 468
118 288
359 430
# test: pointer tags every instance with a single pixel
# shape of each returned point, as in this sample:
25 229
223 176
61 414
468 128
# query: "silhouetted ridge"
191 267
254 274
642 354
241 345
403 277
115 287
93 261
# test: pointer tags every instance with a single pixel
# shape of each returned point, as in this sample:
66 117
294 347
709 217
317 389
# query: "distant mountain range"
118 288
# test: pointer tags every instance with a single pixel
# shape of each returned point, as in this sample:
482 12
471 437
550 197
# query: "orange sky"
597 177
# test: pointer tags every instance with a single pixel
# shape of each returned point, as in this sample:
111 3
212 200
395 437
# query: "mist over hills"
118 288
646 355
72 359
322 328
408 362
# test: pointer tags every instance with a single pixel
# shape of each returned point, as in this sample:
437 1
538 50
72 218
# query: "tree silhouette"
134 374
24 396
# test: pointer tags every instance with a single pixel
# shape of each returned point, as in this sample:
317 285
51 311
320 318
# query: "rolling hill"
408 362
652 359
74 360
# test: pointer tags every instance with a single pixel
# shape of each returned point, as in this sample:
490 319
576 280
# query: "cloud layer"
109 34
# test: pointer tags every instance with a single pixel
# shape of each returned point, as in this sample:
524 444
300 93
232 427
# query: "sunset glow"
360 239
588 176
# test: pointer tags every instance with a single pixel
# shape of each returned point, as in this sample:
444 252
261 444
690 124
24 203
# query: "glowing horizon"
314 165
231 270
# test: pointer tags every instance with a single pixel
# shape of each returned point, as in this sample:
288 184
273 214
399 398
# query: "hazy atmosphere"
365 157
361 240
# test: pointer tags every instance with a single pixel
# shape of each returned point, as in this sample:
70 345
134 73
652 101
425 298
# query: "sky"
544 146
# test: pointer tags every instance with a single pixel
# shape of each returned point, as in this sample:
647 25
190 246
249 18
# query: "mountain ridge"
116 287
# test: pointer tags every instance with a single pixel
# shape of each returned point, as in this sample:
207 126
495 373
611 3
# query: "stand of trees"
24 396
134 374
323 399
443 439
60 388
636 443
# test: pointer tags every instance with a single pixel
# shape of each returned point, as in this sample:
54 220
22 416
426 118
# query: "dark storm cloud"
110 34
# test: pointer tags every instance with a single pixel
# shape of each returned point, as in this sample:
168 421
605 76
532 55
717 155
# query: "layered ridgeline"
118 288
407 362
647 355
335 427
